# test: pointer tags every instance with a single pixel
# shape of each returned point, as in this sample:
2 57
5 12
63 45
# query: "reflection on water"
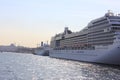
14 66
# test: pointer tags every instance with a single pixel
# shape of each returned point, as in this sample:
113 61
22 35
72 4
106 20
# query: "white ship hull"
100 41
39 52
106 56
42 52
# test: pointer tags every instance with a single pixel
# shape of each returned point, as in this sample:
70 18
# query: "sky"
28 22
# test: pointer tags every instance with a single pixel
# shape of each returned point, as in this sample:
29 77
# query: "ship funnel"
109 13
42 44
66 30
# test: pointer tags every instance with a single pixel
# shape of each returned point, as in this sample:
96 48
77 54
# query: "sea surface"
17 66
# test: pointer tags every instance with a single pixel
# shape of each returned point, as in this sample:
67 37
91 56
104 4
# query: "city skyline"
28 22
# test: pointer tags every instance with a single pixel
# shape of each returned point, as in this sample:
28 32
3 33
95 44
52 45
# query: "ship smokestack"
42 43
66 30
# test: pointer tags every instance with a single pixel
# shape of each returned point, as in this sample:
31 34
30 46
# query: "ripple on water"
14 66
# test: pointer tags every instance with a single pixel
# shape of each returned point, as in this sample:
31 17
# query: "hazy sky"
28 22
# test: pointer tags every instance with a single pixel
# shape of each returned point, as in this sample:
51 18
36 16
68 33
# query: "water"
15 66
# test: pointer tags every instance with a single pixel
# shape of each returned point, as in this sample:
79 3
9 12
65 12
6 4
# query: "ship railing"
101 47
76 48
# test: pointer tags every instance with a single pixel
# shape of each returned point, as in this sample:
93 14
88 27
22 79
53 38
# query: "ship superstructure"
98 39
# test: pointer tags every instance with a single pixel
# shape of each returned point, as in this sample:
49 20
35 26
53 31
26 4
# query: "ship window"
115 24
115 28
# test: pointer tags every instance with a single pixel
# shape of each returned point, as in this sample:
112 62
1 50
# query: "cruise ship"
99 42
